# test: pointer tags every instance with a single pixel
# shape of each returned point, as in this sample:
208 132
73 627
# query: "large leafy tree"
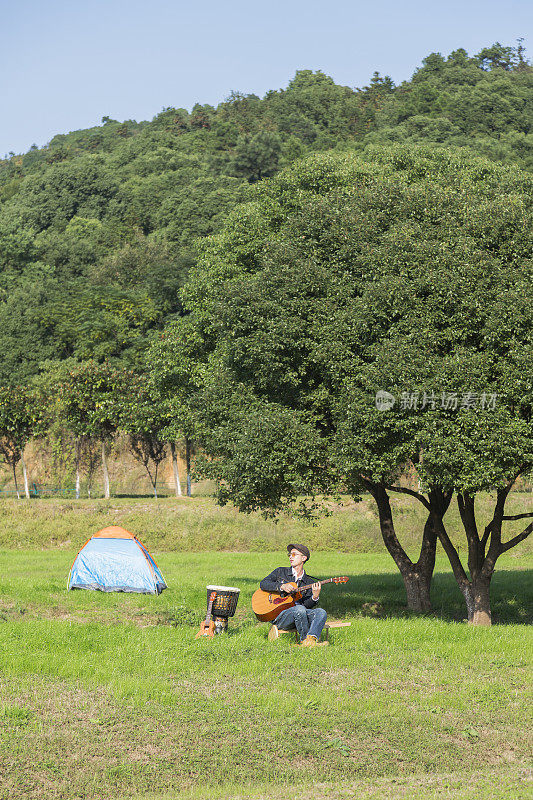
349 275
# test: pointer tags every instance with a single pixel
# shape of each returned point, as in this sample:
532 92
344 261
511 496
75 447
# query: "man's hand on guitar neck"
289 588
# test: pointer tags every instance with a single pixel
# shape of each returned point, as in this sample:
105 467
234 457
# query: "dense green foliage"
405 269
99 229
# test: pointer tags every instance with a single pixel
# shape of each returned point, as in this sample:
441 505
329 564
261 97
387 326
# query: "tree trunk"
475 591
78 477
177 484
457 568
107 493
188 465
481 595
416 577
466 590
417 587
15 479
477 598
418 584
155 481
25 474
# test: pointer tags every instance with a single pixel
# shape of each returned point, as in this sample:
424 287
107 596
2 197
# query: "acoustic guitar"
207 628
267 605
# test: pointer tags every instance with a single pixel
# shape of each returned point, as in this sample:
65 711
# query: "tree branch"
496 522
518 516
419 497
388 533
485 537
471 514
368 483
511 481
517 539
468 518
439 499
451 552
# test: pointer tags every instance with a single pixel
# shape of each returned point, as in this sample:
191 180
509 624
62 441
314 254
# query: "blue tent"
114 560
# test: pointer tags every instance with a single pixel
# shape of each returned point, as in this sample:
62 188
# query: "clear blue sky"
65 63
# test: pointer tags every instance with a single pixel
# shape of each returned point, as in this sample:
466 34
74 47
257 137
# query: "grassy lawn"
108 696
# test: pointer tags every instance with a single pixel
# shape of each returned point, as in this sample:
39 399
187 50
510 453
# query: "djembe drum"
224 605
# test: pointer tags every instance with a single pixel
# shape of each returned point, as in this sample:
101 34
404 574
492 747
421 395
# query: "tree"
87 457
17 420
499 57
144 420
350 275
93 403
175 375
150 451
257 157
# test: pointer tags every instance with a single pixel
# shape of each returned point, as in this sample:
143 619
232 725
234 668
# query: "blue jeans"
307 621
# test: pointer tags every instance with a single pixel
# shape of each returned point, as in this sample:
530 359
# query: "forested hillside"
98 228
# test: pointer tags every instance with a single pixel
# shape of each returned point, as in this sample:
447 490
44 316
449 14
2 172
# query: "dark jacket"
281 575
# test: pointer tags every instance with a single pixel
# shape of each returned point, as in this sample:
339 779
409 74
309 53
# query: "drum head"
224 589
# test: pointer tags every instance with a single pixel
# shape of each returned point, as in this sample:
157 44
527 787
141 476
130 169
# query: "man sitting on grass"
304 615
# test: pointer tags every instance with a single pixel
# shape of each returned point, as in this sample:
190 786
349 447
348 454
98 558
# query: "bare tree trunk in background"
25 474
188 465
177 484
15 479
155 480
90 452
106 473
78 456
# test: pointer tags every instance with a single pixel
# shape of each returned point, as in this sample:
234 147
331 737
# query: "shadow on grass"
383 595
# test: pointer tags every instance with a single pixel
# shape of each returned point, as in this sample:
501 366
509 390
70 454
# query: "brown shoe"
311 641
273 634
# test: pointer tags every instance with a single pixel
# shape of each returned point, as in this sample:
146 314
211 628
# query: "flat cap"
301 549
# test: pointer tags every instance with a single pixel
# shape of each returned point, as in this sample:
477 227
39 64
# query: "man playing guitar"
305 616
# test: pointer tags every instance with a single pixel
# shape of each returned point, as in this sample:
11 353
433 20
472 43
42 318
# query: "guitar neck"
209 610
310 585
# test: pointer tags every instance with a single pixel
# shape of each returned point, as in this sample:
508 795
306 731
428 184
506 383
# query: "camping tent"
114 560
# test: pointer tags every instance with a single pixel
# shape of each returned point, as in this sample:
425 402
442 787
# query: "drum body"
225 601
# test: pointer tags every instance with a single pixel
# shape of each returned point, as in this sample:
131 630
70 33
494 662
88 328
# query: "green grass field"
104 696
